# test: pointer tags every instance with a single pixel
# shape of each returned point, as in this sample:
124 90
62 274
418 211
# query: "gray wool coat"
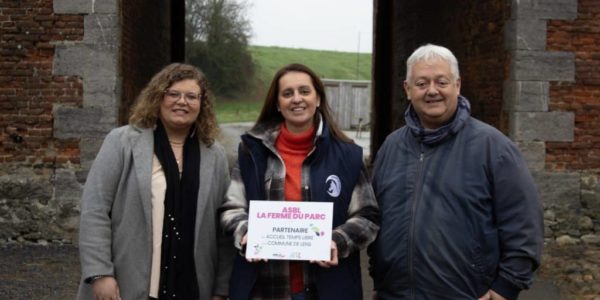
115 235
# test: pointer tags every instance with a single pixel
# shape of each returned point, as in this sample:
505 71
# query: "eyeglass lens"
173 95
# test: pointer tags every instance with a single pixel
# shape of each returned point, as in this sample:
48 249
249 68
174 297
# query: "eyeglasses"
174 96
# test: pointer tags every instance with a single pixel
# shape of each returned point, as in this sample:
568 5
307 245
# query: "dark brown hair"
147 106
269 116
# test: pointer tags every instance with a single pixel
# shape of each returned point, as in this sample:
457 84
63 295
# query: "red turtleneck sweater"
293 149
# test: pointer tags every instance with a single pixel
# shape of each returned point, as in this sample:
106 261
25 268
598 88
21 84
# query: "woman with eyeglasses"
296 152
149 225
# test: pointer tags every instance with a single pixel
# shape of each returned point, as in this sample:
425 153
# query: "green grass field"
327 64
231 111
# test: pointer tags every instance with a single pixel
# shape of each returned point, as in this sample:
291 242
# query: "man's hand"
491 295
334 258
218 297
106 288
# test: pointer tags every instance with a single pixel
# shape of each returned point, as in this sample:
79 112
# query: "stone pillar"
526 97
95 60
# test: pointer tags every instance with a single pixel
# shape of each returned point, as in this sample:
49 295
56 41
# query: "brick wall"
582 97
31 157
28 89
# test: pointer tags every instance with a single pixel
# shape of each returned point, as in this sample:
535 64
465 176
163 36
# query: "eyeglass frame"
180 95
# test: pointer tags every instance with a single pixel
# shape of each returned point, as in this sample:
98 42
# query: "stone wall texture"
565 114
62 64
574 218
30 155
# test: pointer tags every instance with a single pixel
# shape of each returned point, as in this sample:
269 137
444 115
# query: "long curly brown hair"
146 109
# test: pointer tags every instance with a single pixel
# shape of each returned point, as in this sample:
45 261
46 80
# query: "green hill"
327 64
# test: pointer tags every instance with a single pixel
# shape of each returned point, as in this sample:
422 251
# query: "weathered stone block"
591 239
590 195
101 91
526 96
105 6
548 232
542 126
25 204
84 60
71 122
534 154
25 187
542 66
566 240
67 188
544 9
559 191
72 6
525 34
85 6
102 30
549 215
67 194
586 223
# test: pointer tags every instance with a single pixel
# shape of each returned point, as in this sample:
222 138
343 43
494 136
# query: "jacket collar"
268 133
431 137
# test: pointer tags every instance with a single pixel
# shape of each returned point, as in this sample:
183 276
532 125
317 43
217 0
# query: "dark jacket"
458 217
355 216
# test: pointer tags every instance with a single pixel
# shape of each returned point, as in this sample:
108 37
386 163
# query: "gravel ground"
38 272
52 272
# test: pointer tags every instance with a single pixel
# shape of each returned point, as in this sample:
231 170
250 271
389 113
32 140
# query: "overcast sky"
312 24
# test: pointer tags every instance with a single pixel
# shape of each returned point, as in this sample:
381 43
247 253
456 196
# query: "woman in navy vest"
296 152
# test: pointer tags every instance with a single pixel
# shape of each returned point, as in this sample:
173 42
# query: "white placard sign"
290 230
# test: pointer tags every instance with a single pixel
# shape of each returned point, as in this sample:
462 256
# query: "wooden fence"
350 101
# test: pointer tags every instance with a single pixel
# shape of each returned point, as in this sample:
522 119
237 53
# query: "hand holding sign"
291 230
334 258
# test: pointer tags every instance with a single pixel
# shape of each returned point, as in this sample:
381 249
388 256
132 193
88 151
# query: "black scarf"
177 268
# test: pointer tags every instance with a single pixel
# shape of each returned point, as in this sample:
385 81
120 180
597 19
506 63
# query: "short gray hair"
430 52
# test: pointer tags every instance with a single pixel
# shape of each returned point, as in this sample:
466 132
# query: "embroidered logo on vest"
334 185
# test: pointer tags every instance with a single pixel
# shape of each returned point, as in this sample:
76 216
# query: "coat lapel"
207 179
143 152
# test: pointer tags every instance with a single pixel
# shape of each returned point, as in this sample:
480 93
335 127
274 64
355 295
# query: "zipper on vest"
305 175
306 192
411 240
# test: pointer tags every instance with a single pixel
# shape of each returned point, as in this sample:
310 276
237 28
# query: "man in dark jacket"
461 217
